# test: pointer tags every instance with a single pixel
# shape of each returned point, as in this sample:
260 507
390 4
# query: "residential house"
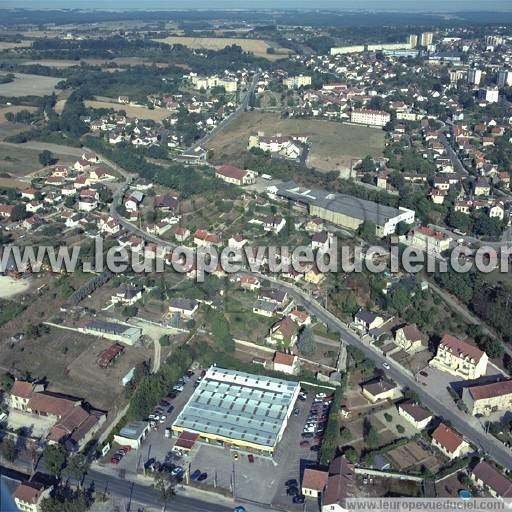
486 476
249 283
181 233
165 202
415 414
28 496
127 294
234 175
133 201
74 423
341 484
186 308
411 339
286 363
449 442
428 240
460 358
283 333
482 187
274 223
378 389
301 318
6 211
322 241
313 482
264 308
274 295
203 238
367 320
484 399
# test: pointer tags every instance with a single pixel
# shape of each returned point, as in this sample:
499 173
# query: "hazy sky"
393 5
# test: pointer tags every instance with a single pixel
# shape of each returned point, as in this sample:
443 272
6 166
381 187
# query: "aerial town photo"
255 257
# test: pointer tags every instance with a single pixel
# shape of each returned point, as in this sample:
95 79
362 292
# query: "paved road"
234 115
485 442
147 495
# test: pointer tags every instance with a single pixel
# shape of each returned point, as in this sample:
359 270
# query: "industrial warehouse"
239 409
342 209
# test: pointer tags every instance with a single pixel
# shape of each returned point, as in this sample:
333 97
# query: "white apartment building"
294 82
370 117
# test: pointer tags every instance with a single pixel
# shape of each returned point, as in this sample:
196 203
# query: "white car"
386 366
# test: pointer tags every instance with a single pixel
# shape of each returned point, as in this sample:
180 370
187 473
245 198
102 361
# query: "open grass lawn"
333 145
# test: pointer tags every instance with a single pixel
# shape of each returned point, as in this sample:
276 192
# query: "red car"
114 460
126 449
304 444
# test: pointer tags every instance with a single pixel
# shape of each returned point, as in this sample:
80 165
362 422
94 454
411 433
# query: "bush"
400 429
388 417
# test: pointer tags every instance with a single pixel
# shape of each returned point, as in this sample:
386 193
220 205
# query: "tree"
6 381
351 455
54 458
166 486
367 164
77 467
46 158
222 339
367 230
402 228
64 500
306 341
19 212
8 449
370 434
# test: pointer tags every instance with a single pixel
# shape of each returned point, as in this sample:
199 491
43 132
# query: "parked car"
179 388
307 435
195 475
239 509
291 483
386 366
202 476
298 499
304 444
315 448
170 409
115 460
250 457
167 432
190 374
296 412
292 491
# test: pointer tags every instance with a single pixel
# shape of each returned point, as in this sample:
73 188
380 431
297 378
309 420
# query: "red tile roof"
491 390
314 479
282 358
28 492
461 348
447 438
491 477
22 389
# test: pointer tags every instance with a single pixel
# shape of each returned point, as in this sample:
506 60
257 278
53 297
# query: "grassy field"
333 145
29 85
256 46
140 112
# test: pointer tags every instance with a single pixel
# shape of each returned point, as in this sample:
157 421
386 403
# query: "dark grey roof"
340 203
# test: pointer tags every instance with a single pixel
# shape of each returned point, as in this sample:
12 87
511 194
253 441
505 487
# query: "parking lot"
260 481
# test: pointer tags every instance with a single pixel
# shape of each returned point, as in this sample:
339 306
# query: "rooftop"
239 406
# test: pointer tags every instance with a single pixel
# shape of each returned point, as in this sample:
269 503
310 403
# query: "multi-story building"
294 82
488 398
370 117
412 39
504 78
209 82
411 339
491 94
474 76
426 39
460 358
428 240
